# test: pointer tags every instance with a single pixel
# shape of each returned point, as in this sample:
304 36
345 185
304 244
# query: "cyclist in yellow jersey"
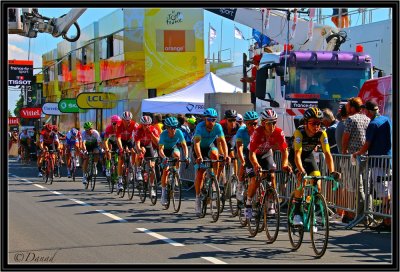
306 138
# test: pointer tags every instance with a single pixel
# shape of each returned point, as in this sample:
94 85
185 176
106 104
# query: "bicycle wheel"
319 225
271 214
253 223
204 196
222 188
231 195
131 184
176 192
94 176
215 202
296 233
142 187
73 170
51 172
168 192
154 187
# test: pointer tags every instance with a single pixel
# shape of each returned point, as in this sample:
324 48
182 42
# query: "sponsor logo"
174 17
189 107
298 140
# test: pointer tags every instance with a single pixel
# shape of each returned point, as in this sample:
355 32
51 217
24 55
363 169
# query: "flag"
261 39
310 24
213 34
238 34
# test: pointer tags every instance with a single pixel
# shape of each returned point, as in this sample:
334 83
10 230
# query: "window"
83 56
69 62
59 67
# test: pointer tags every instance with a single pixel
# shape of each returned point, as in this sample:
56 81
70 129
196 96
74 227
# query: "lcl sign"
30 113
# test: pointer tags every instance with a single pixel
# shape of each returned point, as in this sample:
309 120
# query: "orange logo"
174 41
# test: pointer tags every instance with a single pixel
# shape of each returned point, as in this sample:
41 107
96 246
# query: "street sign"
96 100
30 113
68 105
51 109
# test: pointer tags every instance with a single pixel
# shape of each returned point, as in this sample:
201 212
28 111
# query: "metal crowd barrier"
365 190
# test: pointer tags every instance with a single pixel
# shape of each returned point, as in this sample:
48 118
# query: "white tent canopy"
189 99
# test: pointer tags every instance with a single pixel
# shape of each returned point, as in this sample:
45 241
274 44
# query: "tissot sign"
32 113
20 73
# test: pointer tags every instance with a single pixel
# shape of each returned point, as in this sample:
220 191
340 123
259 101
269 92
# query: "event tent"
189 99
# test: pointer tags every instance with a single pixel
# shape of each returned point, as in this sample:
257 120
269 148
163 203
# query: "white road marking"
159 236
220 249
55 192
26 180
79 202
213 260
111 216
40 186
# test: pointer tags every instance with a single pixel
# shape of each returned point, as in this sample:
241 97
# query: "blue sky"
18 46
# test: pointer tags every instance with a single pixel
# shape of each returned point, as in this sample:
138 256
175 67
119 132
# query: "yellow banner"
174 47
96 100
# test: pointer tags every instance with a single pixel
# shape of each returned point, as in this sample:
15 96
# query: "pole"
29 49
234 41
220 45
208 56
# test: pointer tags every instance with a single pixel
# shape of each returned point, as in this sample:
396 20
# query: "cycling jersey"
170 143
307 144
72 140
91 139
126 133
207 138
243 136
110 133
144 136
48 137
23 138
229 135
260 144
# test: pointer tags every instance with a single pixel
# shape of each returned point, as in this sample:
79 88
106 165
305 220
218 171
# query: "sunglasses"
232 120
114 124
211 119
315 124
253 124
271 123
173 128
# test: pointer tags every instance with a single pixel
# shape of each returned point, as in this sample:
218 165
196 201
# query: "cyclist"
242 147
24 142
72 139
61 138
264 140
91 142
306 138
48 141
206 133
110 137
167 147
239 120
146 142
125 132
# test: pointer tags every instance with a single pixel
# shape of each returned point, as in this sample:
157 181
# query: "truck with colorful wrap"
292 81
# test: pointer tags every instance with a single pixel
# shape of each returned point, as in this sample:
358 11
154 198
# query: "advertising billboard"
174 47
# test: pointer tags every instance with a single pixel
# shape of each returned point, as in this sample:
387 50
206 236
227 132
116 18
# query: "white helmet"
127 115
146 120
269 115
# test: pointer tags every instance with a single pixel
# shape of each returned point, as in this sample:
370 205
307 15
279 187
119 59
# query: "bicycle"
57 165
145 186
113 178
174 185
73 163
210 193
264 197
314 213
48 166
91 172
127 173
231 187
25 155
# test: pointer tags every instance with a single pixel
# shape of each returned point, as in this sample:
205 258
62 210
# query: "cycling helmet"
55 128
88 125
191 120
127 115
230 114
250 116
313 112
74 132
269 115
146 120
210 112
115 119
171 122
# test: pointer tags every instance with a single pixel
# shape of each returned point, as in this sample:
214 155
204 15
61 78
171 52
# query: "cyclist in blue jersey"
167 147
242 146
206 133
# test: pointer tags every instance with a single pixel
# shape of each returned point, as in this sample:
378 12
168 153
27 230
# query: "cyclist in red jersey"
265 139
125 132
48 140
146 141
110 140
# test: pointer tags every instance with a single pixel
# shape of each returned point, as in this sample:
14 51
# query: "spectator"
353 139
183 126
341 116
330 123
252 79
344 19
13 138
157 122
378 142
